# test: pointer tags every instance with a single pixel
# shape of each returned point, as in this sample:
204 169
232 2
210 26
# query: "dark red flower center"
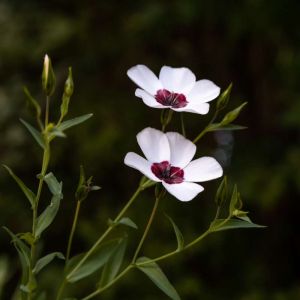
169 174
168 98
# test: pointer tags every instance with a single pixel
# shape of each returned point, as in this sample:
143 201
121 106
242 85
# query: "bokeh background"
253 43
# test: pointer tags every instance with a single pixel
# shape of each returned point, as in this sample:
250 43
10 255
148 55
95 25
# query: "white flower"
169 161
176 88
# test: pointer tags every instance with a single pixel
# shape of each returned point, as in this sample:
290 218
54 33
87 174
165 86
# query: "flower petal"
182 150
185 191
144 78
202 169
203 91
154 144
148 99
196 108
178 80
138 162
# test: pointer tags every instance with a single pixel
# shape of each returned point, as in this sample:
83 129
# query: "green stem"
73 231
146 229
189 245
47 111
206 129
182 124
117 278
109 229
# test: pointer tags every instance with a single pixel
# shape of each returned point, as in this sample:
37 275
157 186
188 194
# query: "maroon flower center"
168 98
169 174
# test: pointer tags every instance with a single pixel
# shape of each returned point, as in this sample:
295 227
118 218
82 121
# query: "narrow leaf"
35 133
153 271
221 193
179 236
128 222
33 102
54 186
220 127
113 265
234 200
23 252
47 216
95 261
233 224
44 261
27 192
73 122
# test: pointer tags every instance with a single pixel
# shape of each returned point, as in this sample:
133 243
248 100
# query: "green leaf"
23 252
220 127
95 261
33 102
73 122
234 200
113 265
224 98
179 236
221 194
44 261
56 133
232 115
27 192
47 216
218 225
35 133
54 186
128 222
153 271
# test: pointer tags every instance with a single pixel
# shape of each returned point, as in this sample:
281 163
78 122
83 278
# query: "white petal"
196 108
179 80
185 191
154 144
144 78
182 150
137 162
202 169
203 91
148 99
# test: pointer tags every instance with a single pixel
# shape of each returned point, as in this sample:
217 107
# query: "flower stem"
182 124
206 129
73 231
109 229
147 228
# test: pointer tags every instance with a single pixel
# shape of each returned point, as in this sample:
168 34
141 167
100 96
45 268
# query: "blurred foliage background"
253 43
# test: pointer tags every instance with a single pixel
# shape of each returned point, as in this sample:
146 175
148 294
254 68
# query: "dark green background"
253 43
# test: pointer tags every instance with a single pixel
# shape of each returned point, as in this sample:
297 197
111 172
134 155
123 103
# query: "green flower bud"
68 91
48 77
224 98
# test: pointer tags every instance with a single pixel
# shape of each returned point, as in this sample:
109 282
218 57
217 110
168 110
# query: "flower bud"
48 77
224 98
69 84
68 91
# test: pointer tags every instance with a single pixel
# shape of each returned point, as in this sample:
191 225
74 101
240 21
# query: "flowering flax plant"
168 166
